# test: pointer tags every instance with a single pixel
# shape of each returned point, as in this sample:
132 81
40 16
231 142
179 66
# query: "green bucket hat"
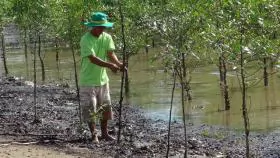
98 19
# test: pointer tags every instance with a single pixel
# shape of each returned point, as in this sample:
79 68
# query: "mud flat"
55 130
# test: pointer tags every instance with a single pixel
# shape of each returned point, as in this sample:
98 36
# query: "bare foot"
95 139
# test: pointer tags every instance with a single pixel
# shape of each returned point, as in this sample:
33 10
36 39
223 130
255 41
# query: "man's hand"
114 67
122 67
95 60
114 59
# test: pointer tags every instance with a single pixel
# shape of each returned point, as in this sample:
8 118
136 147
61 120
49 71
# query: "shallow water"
151 89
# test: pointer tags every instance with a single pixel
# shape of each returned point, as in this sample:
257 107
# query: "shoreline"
57 109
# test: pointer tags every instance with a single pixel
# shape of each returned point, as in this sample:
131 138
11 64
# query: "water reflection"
151 89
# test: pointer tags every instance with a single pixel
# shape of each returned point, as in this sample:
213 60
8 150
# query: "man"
97 54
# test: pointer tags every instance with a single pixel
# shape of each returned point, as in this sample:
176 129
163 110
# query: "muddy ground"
56 125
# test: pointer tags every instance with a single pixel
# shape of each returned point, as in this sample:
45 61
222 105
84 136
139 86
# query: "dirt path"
10 149
31 151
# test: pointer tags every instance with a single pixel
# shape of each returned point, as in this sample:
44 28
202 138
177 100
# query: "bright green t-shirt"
92 74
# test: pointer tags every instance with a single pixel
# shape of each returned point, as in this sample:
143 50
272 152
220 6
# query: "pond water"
150 88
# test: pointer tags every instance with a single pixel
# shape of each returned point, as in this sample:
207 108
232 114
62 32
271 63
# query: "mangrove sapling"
182 69
41 58
265 28
4 51
124 73
73 31
5 7
57 60
186 79
20 11
244 104
26 52
75 71
136 27
36 119
170 112
98 114
243 34
265 59
76 79
225 85
219 44
223 80
179 71
179 40
183 112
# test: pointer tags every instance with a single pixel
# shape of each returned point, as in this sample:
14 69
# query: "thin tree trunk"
72 46
124 73
4 53
153 42
57 57
41 59
265 73
184 83
183 89
223 68
244 93
36 119
222 81
225 86
184 118
35 80
76 78
188 90
25 53
221 72
170 113
187 85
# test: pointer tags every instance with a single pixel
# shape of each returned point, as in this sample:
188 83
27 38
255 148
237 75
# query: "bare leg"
104 131
92 128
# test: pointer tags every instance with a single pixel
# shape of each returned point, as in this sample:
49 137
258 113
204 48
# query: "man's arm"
114 59
95 60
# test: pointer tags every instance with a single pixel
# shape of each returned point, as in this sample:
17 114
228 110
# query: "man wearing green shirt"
97 54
